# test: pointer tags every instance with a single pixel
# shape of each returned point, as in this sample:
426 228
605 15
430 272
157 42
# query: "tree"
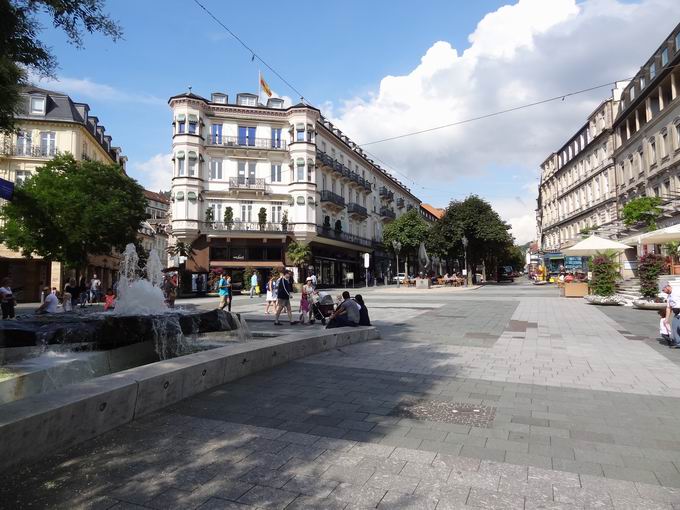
650 267
644 210
410 229
487 234
228 217
605 272
21 49
262 218
284 221
514 256
181 249
209 215
70 210
299 254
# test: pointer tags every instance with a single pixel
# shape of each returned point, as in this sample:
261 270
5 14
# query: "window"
48 142
300 165
276 138
216 169
181 126
323 147
192 127
180 167
652 71
246 136
300 134
23 143
639 161
664 144
652 152
21 177
216 133
276 173
276 213
632 93
37 105
192 163
677 42
179 196
323 182
642 83
664 57
247 100
246 212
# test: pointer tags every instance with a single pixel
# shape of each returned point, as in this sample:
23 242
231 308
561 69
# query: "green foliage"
247 273
672 249
209 215
69 210
21 48
475 219
586 231
181 249
228 217
284 221
644 210
410 229
650 267
513 256
605 271
262 217
299 254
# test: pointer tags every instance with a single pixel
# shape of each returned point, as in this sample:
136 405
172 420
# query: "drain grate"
474 415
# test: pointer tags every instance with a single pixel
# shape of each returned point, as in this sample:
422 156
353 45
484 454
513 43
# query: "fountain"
139 330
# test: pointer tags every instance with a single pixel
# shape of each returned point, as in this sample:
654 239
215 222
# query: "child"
109 300
663 328
304 307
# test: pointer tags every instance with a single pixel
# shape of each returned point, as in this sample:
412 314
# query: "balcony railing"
256 183
357 210
29 151
330 233
336 166
386 212
334 198
247 143
246 226
386 194
400 203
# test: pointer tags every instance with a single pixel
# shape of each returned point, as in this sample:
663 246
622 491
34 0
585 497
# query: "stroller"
322 306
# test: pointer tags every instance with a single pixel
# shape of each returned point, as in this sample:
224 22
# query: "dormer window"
652 71
664 57
246 99
37 105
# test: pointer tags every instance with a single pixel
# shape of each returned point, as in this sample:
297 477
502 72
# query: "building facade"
637 153
250 178
154 232
431 213
51 123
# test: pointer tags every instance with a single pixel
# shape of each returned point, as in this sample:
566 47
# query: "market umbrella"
594 244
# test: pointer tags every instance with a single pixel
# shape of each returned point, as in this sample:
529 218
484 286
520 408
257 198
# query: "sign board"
6 189
464 272
350 276
367 260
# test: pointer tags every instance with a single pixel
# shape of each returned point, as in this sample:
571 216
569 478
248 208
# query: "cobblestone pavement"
503 397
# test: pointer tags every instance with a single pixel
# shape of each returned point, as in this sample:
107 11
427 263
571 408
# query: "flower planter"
603 300
643 304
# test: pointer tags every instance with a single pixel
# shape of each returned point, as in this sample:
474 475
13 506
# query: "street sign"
367 260
6 189
350 276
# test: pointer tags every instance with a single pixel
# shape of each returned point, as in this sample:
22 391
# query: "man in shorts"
224 291
284 291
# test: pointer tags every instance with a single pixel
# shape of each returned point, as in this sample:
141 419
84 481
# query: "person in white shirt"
7 299
672 315
50 304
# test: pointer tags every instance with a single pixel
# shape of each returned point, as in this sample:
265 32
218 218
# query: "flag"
265 87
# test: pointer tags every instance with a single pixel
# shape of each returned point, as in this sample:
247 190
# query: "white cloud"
85 88
155 173
520 53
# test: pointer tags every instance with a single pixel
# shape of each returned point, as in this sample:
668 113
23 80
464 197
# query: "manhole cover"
460 413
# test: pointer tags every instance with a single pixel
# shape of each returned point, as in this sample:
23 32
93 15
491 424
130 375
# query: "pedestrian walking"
72 289
313 280
253 284
224 291
7 300
672 314
284 291
95 289
305 301
271 295
83 292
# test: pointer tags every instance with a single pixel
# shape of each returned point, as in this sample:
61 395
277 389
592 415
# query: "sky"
376 69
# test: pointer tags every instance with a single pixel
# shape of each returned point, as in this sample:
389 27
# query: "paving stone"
482 453
311 486
314 503
393 482
588 468
583 497
348 474
399 501
327 443
298 438
388 465
504 444
360 497
372 450
440 447
456 463
267 497
481 498
632 474
411 455
267 477
527 459
221 504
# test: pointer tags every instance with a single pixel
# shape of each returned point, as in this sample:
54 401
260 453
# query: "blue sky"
339 55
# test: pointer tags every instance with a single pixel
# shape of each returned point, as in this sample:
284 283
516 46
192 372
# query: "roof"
152 195
434 211
190 95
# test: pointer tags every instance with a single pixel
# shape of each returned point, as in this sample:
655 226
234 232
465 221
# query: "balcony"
28 151
330 233
400 203
387 214
247 183
386 194
324 159
246 226
246 143
333 199
357 211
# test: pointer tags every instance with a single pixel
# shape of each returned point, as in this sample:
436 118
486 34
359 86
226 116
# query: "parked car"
505 274
399 277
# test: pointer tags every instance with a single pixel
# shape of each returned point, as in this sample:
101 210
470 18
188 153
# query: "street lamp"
464 240
397 248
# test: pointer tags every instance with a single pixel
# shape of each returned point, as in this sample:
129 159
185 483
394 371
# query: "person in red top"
109 300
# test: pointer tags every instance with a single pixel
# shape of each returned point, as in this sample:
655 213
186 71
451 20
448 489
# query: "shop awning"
595 244
660 236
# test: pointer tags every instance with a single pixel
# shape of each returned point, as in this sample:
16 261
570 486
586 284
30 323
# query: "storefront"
336 267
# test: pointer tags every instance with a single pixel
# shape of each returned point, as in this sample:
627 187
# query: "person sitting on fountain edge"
50 303
346 314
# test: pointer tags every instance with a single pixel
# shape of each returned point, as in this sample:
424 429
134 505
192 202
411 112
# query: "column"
660 98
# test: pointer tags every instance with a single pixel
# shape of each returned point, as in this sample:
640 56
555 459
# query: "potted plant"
650 266
284 221
209 215
228 217
602 285
262 218
299 254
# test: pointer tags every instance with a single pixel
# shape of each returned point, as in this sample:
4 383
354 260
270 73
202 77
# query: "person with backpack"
284 290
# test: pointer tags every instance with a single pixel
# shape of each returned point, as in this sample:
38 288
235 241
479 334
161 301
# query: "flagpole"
259 86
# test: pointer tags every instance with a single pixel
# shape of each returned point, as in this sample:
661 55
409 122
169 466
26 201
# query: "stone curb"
41 424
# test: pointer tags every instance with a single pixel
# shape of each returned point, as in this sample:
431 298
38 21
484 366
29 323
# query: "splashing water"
138 295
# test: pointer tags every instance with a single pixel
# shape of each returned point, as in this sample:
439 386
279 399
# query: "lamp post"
397 248
464 240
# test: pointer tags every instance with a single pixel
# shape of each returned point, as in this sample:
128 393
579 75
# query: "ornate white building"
280 175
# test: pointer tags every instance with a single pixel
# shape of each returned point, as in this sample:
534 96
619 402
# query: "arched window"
300 166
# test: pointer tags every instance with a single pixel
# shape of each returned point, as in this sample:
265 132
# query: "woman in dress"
271 295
